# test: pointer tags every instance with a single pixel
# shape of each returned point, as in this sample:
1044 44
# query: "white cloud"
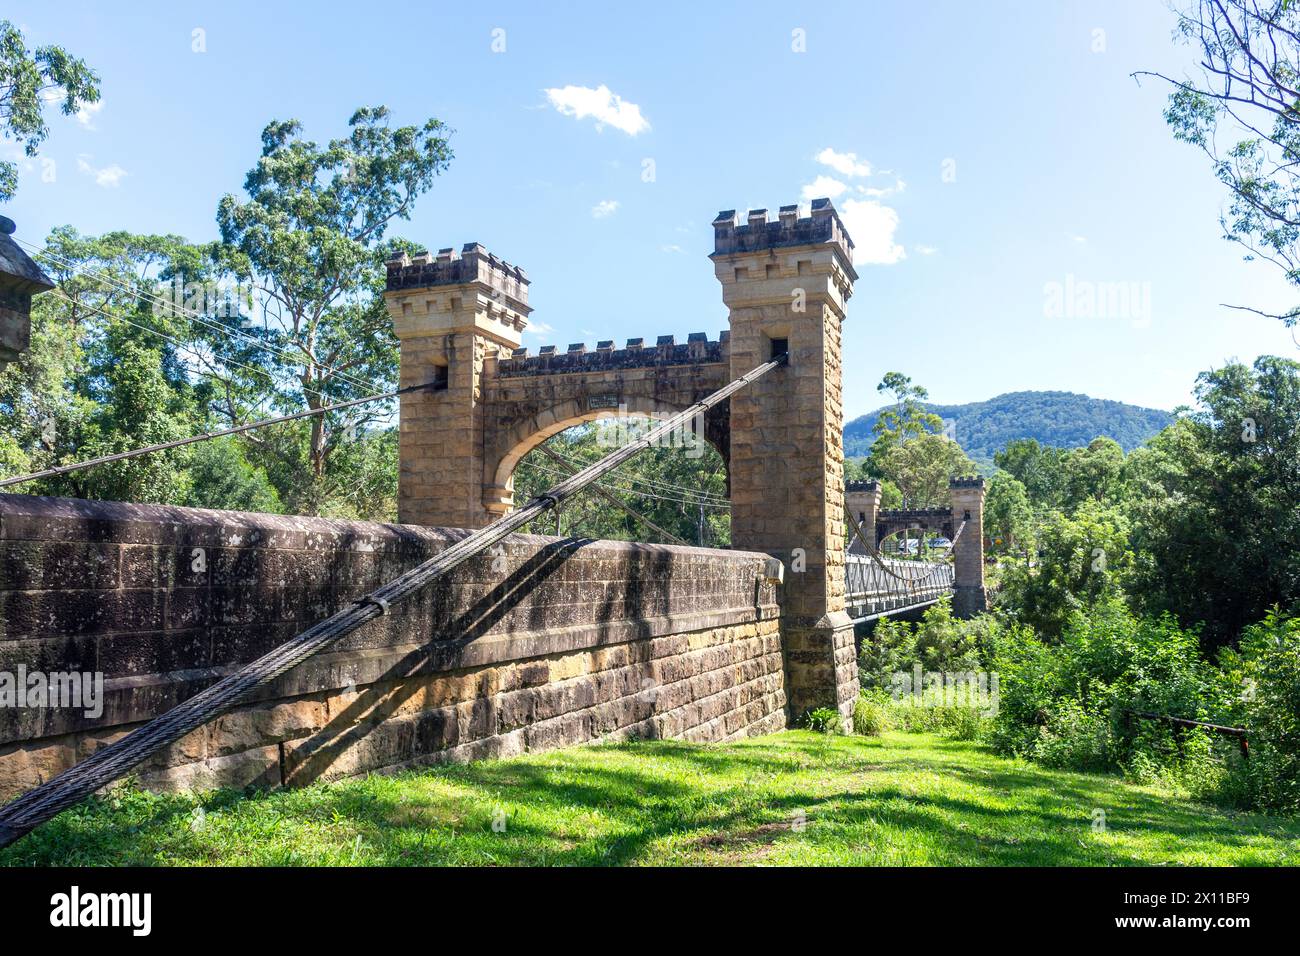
539 328
672 248
86 114
921 250
603 105
107 176
846 164
879 192
872 226
1079 238
827 186
606 207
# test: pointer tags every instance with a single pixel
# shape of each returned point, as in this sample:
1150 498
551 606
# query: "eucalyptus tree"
1241 106
308 240
29 80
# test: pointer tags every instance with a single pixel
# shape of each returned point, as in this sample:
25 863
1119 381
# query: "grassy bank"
792 798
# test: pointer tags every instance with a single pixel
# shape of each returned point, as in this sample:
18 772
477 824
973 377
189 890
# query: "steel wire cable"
190 313
110 763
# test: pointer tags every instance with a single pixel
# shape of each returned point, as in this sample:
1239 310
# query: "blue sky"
981 153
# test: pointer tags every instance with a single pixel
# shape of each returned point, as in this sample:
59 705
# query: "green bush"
824 720
871 716
1074 703
1083 560
1072 737
1269 666
938 642
930 715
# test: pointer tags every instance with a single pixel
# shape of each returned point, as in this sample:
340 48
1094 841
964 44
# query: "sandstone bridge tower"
785 282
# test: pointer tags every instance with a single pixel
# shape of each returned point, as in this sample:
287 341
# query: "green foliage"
920 468
823 720
938 642
117 362
310 235
907 418
221 477
958 722
1215 503
1008 516
908 453
871 714
682 490
1055 419
1239 109
1073 703
28 79
1081 560
1038 470
1268 666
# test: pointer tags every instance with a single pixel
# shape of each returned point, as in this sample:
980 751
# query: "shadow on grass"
901 799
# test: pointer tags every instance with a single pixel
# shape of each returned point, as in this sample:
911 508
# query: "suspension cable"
109 763
183 310
205 436
613 499
707 496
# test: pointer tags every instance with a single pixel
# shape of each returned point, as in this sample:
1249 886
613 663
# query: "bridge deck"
876 588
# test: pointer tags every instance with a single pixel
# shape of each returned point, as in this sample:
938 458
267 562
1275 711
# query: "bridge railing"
875 585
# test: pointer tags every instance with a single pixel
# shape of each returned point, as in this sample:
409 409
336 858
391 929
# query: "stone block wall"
542 643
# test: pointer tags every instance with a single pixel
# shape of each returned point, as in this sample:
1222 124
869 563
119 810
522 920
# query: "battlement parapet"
697 350
788 229
861 486
967 481
473 264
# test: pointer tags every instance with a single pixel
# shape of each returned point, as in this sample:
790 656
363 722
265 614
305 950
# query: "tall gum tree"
310 239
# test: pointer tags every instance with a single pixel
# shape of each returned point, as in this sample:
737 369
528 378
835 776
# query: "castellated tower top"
757 233
763 263
473 264
475 290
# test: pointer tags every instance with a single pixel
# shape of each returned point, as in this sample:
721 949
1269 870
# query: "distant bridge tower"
964 520
786 283
968 597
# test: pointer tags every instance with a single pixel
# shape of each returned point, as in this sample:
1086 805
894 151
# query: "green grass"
900 799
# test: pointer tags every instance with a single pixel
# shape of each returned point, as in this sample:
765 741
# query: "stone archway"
507 446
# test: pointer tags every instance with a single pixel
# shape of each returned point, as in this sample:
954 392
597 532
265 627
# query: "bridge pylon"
969 596
785 283
454 315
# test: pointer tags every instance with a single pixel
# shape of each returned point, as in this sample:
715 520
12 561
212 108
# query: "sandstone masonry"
543 643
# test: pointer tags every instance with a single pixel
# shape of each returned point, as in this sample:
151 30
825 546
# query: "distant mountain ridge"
1060 419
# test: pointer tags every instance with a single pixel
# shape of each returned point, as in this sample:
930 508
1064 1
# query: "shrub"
824 720
871 715
1083 560
1270 669
1070 704
938 642
933 716
1072 737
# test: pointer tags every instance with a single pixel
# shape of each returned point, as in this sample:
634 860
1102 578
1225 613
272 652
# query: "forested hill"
1060 419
